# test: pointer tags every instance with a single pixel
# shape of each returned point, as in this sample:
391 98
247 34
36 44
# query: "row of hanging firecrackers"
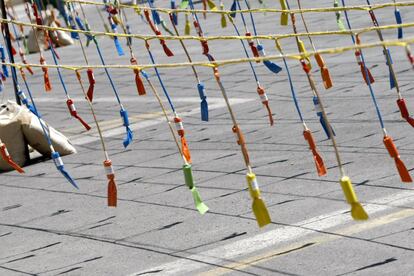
32 107
184 149
260 90
393 77
82 24
357 211
388 142
320 166
112 194
259 207
69 101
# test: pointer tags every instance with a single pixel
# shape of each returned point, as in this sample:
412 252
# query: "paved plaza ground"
49 228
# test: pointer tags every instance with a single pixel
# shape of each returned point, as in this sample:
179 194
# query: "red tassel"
265 102
6 157
402 170
269 113
204 44
392 150
138 81
48 85
13 50
185 149
371 78
404 111
326 77
255 52
320 166
112 190
28 68
74 113
253 47
91 79
167 51
152 26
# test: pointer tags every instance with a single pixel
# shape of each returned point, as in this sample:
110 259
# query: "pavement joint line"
273 237
321 239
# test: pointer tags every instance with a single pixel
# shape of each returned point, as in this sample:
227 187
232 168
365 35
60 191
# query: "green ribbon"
201 207
189 181
341 25
184 4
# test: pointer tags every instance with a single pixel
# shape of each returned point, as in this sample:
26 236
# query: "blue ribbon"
387 54
155 15
174 15
270 65
3 59
82 27
129 133
74 35
61 167
116 41
321 119
399 21
203 104
233 8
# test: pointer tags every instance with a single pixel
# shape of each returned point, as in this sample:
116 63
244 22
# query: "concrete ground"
49 228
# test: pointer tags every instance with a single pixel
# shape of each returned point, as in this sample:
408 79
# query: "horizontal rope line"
138 8
207 38
218 63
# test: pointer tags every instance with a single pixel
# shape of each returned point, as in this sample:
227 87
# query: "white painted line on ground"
119 130
271 238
